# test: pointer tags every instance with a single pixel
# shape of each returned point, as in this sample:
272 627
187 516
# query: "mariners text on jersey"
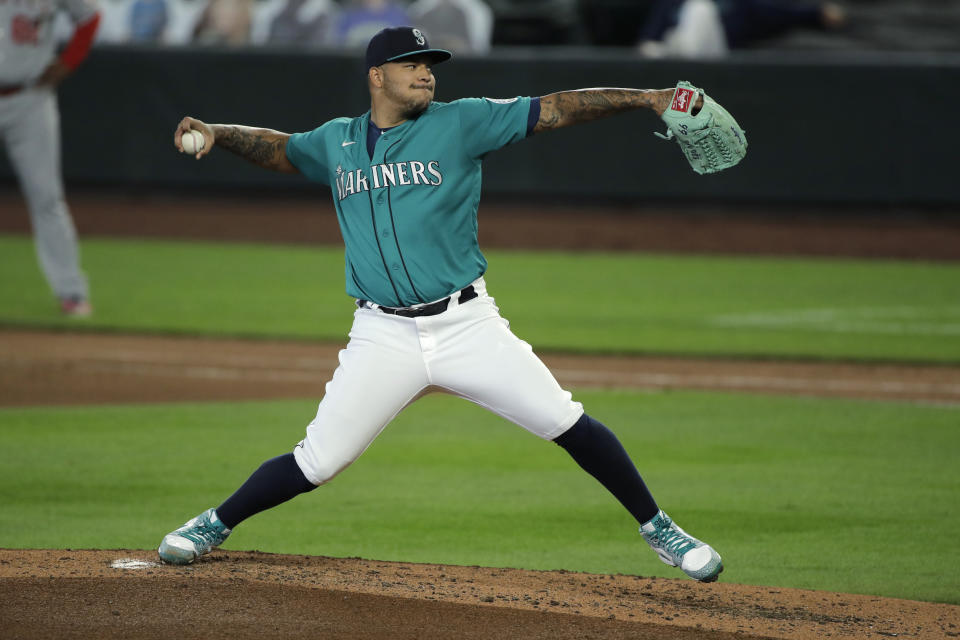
392 174
408 208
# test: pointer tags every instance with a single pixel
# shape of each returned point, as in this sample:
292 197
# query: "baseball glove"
711 140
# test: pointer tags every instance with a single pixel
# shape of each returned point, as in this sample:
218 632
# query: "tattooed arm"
565 108
263 147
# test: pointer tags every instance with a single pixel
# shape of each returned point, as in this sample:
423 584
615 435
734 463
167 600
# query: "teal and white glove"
711 140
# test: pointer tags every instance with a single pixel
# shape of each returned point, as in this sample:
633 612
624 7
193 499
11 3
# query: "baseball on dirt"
192 141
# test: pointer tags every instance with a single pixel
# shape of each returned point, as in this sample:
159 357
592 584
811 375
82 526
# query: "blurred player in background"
30 71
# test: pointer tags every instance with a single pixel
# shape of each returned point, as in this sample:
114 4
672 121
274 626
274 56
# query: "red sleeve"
79 45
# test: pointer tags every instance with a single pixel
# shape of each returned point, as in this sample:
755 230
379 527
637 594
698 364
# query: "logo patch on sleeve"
682 99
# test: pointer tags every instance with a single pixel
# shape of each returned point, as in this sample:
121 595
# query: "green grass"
629 303
826 494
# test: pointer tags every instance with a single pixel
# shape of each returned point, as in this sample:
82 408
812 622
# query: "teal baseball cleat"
677 548
199 536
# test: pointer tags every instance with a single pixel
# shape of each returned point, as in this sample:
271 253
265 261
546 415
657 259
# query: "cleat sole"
713 578
173 555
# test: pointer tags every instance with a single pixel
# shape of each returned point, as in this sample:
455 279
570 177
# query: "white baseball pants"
390 361
30 127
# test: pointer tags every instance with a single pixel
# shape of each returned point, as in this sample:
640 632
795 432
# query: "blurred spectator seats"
685 29
886 25
133 21
148 20
114 21
462 26
873 25
536 22
225 22
710 28
302 23
184 16
613 23
362 19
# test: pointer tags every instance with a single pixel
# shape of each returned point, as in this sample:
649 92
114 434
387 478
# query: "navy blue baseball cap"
394 43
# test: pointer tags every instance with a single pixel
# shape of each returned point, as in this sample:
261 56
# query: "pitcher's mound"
128 594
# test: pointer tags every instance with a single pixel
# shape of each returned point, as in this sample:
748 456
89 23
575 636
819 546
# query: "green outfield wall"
822 127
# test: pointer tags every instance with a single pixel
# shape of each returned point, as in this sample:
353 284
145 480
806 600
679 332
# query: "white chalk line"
904 320
736 381
891 328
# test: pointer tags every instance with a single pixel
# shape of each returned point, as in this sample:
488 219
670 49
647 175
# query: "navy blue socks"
276 481
599 452
592 445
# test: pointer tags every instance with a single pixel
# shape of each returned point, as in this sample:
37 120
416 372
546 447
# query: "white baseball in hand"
192 141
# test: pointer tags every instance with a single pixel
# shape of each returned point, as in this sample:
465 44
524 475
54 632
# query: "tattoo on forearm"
583 105
262 147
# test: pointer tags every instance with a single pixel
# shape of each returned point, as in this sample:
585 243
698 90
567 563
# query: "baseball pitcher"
30 71
405 180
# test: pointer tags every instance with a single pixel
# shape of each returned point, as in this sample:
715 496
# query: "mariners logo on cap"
393 43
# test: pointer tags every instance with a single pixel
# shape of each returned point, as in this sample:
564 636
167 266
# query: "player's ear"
375 77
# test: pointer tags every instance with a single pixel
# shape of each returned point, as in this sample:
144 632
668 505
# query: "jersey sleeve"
80 11
79 45
488 124
308 153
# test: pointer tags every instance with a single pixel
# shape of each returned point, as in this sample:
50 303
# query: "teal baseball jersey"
408 215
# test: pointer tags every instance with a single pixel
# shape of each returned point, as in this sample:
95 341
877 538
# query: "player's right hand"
189 123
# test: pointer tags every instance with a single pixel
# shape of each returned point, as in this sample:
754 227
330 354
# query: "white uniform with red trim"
30 127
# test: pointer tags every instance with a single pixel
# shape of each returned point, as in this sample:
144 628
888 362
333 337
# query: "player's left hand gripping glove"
711 140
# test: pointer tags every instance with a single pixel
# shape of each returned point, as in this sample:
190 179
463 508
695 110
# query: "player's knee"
318 465
583 430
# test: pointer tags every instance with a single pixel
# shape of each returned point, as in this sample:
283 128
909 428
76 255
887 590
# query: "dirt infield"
89 594
42 368
81 594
